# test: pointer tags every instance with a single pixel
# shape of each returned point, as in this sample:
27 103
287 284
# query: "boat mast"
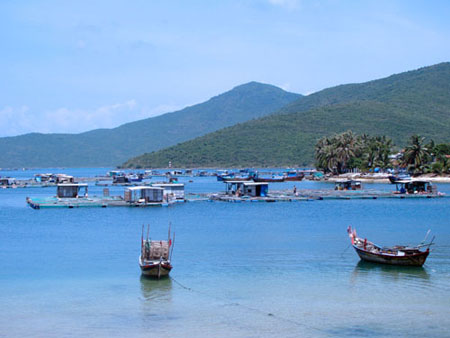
142 240
168 237
173 244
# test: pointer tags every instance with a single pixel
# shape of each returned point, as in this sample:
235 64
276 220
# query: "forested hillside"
414 102
110 147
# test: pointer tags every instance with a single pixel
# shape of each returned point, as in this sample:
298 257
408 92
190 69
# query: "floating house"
7 182
348 185
174 190
53 178
114 173
43 178
63 178
144 195
244 188
122 179
71 190
415 187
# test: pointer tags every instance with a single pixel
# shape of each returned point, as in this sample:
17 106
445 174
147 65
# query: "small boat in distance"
399 177
273 178
156 256
293 176
396 255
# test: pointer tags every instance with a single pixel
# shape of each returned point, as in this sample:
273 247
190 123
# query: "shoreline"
383 178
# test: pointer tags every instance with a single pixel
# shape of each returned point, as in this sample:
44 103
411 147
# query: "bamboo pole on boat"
425 238
142 240
431 243
168 237
173 244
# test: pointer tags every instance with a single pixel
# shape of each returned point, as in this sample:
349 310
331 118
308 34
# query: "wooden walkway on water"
321 194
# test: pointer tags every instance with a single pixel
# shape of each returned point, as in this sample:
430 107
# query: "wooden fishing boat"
293 176
396 255
155 258
273 179
399 177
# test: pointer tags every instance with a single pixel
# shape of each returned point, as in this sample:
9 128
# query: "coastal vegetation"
346 151
396 107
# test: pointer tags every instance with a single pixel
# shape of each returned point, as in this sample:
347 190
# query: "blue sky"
73 66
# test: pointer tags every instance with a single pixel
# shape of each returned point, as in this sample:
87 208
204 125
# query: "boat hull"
240 179
270 180
296 178
417 259
155 269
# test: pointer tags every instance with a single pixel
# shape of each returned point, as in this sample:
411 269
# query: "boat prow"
155 268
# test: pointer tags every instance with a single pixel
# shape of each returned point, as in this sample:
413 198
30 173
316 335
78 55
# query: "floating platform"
94 202
311 195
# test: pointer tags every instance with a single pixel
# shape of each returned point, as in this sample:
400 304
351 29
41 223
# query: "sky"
74 66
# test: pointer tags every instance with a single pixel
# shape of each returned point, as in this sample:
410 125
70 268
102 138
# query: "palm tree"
384 150
334 154
347 146
416 154
324 154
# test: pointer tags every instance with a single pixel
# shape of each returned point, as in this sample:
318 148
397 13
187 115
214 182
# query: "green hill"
397 106
109 147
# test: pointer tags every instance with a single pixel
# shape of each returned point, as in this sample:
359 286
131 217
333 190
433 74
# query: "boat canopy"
158 249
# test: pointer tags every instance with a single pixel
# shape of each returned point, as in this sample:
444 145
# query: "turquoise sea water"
240 269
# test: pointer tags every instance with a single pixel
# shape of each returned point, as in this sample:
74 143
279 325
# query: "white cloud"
22 120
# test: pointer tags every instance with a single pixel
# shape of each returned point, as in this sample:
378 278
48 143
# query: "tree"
334 154
347 146
325 159
416 155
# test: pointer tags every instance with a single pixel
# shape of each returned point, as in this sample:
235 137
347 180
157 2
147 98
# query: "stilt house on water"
243 188
144 195
71 190
347 185
7 182
415 187
174 190
53 178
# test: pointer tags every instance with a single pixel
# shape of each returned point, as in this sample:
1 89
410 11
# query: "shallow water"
240 269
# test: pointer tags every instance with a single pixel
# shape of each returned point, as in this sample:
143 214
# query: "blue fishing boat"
293 175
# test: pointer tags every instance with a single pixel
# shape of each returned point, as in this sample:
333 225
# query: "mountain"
397 106
109 147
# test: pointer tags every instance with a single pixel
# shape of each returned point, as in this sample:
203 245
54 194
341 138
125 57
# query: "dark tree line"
346 151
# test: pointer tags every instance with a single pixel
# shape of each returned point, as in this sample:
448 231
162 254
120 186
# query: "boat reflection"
393 272
156 289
